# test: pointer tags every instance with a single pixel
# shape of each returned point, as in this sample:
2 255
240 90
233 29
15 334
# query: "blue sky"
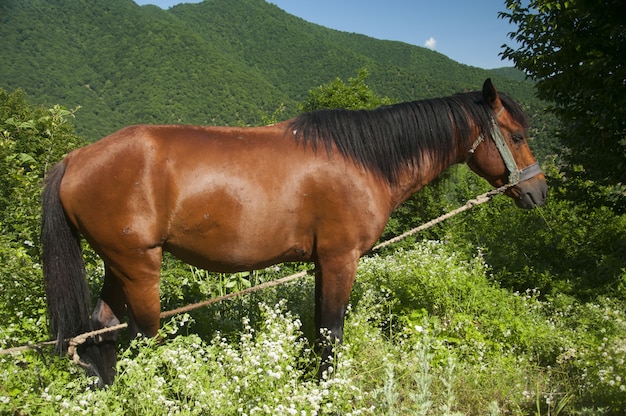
466 31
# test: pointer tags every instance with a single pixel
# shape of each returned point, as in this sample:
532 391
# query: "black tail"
64 272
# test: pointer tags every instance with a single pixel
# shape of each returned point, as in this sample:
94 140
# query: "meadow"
428 332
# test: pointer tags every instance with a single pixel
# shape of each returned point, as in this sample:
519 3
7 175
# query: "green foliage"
427 332
355 95
514 348
575 50
561 248
23 309
31 139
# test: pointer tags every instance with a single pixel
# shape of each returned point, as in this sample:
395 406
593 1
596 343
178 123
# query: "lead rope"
78 340
481 199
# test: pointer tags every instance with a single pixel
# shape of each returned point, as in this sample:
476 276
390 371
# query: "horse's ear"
490 95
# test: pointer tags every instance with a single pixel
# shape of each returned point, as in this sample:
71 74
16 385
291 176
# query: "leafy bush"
23 308
560 248
31 139
427 332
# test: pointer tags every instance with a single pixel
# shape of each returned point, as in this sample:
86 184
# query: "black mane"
390 138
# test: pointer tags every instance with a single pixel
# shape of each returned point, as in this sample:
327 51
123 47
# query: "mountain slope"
215 62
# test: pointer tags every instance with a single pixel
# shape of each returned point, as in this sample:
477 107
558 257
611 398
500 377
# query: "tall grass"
427 333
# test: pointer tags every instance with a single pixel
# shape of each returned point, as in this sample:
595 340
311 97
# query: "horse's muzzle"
531 193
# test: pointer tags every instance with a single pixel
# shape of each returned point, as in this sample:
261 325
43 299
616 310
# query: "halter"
516 175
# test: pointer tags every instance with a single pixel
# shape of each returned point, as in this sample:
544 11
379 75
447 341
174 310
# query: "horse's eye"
517 137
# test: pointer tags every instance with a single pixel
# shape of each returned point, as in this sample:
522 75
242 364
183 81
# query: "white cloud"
431 43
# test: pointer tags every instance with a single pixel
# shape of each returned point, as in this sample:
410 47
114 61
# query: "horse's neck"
422 173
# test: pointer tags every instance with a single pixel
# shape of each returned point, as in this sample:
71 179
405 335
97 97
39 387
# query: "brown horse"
317 188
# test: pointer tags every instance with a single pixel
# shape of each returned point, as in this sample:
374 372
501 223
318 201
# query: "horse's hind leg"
131 283
109 312
139 276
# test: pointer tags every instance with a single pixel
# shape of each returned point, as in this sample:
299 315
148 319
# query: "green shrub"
562 248
427 332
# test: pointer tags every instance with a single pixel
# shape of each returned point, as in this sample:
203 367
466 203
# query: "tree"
576 51
355 95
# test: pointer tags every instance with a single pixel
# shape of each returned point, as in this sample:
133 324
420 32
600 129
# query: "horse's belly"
231 255
228 238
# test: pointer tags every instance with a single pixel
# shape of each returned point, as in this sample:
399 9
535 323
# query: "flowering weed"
427 333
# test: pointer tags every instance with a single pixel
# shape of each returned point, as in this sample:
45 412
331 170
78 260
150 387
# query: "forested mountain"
215 62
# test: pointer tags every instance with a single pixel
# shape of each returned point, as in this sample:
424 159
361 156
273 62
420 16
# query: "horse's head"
503 157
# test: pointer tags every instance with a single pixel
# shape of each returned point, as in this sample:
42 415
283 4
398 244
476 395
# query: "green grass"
427 333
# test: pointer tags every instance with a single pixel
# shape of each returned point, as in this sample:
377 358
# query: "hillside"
215 62
510 72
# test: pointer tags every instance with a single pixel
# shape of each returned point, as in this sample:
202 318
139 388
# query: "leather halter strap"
516 175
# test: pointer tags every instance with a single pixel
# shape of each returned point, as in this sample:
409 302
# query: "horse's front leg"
333 283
